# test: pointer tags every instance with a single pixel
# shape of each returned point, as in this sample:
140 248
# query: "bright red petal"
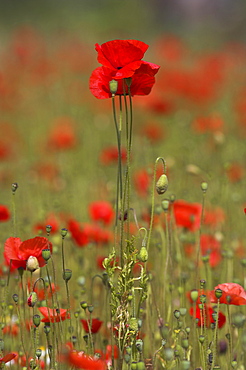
118 53
8 357
33 247
11 248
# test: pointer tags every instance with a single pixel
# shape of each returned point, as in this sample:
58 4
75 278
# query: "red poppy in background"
208 316
235 172
153 131
50 220
55 315
109 155
62 135
187 215
101 211
232 293
141 182
78 233
82 361
19 252
211 123
210 245
95 325
123 57
4 213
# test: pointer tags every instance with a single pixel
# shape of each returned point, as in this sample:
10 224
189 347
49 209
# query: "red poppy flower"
19 252
123 57
4 213
153 131
82 361
78 233
55 315
232 293
208 124
141 83
110 155
187 215
209 317
101 211
50 220
62 135
210 245
95 325
7 358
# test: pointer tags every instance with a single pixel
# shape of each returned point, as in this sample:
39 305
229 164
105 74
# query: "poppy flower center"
119 67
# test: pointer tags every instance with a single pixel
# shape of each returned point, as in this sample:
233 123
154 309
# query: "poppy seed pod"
67 274
32 264
46 254
36 320
162 184
113 86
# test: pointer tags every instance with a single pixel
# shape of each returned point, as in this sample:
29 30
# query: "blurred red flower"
153 131
211 246
187 215
78 233
109 155
211 123
101 211
4 213
208 316
55 315
95 325
62 135
19 252
232 293
50 220
82 361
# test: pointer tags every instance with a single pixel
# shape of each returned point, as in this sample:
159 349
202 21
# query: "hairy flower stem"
153 198
198 251
216 334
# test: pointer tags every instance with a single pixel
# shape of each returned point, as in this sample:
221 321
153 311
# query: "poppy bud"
46 329
67 274
90 308
204 186
139 345
185 365
165 205
143 254
36 320
15 298
183 311
113 86
162 184
177 314
168 354
201 339
46 254
140 365
14 187
32 264
185 343
32 299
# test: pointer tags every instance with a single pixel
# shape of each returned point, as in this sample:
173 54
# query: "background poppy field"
58 167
